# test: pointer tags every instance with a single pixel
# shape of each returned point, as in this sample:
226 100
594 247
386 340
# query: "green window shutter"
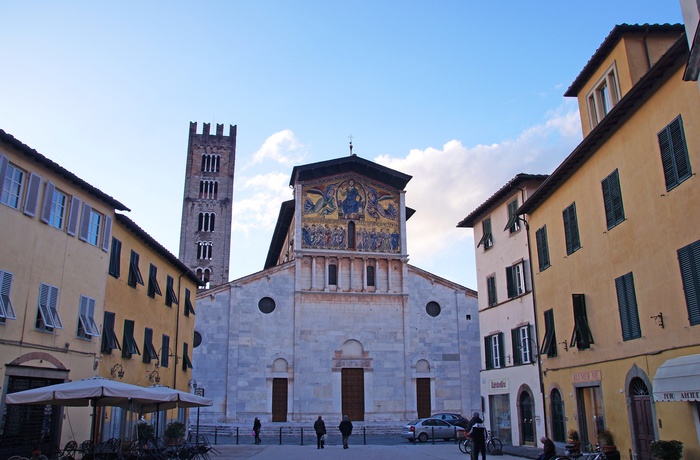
627 305
581 336
491 290
510 282
515 339
501 351
542 248
674 153
689 261
488 352
571 229
612 200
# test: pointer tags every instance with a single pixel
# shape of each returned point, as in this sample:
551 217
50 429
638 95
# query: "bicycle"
492 444
571 454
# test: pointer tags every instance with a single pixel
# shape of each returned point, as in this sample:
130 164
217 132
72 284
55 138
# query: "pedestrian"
477 431
256 430
345 428
548 449
320 428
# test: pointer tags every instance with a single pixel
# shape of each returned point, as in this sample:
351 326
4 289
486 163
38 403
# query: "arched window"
558 421
206 222
204 250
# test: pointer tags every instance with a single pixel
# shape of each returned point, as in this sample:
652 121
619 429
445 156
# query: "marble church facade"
338 322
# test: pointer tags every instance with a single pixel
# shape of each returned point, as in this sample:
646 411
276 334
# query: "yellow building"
618 250
148 327
55 233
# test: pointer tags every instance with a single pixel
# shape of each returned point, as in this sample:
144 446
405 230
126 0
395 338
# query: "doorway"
353 393
423 397
642 420
279 399
527 419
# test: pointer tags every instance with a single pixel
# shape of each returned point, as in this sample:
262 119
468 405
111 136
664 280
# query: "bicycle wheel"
465 446
494 444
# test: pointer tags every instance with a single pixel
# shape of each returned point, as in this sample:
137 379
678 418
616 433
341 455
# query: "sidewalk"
335 452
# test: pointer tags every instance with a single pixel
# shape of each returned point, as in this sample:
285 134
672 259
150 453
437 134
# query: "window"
674 154
351 235
493 346
47 317
188 303
7 311
522 344
332 274
689 260
186 363
90 224
153 286
603 97
206 222
134 272
573 243
549 344
55 206
515 280
130 346
164 350
115 258
513 221
204 250
149 351
491 290
204 275
31 201
170 297
612 200
266 305
12 182
581 336
433 309
542 248
87 328
370 276
486 238
211 163
627 304
109 338
209 189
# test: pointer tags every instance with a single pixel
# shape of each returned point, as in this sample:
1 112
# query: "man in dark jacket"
320 428
345 428
477 431
548 449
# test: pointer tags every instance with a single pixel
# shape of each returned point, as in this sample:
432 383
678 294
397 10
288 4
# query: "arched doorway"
557 415
642 420
280 387
352 381
423 405
526 409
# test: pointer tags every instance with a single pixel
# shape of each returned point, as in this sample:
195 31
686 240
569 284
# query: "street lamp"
117 370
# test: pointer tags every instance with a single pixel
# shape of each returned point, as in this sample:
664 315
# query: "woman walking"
320 428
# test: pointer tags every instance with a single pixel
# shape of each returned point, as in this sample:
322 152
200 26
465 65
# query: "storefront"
589 405
499 409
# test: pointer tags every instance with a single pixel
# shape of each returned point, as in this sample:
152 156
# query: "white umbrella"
173 398
96 391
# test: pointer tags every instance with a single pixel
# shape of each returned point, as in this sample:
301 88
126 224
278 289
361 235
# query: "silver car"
427 428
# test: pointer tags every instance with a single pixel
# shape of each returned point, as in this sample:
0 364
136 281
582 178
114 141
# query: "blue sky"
462 95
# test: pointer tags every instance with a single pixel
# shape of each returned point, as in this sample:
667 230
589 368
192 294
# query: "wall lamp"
154 377
566 345
192 384
659 319
117 370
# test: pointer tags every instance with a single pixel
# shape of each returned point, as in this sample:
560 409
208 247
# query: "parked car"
427 428
452 419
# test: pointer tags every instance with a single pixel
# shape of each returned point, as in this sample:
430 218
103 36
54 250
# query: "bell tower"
205 232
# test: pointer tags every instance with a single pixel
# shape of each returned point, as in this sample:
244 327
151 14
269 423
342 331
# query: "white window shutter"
73 218
107 235
3 169
85 222
48 199
32 199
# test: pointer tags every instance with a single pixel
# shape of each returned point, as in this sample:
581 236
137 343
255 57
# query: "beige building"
56 233
618 250
510 375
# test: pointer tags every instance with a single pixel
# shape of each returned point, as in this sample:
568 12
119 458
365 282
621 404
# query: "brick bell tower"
205 232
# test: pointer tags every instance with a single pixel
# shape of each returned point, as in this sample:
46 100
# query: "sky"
461 95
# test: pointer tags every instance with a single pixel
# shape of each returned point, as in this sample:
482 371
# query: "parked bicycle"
492 444
571 454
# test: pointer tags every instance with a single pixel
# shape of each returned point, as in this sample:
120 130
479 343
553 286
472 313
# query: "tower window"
206 222
209 189
211 163
204 250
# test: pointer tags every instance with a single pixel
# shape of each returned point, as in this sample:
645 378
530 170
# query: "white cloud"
282 147
450 182
257 201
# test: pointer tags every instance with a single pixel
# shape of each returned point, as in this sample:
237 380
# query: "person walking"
345 428
256 430
320 428
477 431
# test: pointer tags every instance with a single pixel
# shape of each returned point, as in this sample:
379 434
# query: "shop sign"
498 386
586 376
678 396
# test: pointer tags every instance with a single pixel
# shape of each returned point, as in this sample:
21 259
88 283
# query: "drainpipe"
177 331
534 311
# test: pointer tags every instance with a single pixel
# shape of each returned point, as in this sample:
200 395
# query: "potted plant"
574 441
174 432
606 440
145 431
667 450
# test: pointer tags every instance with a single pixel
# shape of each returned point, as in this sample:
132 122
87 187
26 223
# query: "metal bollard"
302 435
280 436
236 435
364 435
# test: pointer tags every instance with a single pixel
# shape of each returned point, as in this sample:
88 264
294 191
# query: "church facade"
338 322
